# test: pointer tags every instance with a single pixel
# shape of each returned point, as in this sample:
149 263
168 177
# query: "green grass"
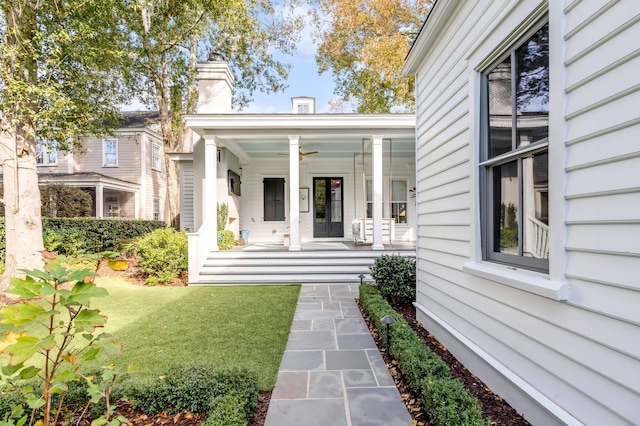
244 326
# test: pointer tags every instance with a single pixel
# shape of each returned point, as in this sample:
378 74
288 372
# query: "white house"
292 181
528 183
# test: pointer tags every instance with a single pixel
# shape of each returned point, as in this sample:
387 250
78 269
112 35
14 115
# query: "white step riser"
287 262
280 279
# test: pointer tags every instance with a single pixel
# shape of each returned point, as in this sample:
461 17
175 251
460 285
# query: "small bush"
65 242
226 410
162 254
395 278
449 403
194 387
226 240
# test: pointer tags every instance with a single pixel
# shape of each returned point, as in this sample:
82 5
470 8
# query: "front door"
327 208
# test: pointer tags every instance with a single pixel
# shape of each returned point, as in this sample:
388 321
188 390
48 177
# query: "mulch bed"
493 406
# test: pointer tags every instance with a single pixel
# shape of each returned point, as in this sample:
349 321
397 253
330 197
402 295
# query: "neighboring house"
124 173
528 165
297 178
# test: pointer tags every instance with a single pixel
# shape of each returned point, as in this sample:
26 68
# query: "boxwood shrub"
446 401
395 278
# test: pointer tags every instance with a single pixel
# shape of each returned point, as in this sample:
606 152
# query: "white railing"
201 243
537 238
388 229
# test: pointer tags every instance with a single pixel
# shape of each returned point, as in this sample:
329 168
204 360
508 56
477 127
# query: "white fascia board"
287 124
181 157
436 21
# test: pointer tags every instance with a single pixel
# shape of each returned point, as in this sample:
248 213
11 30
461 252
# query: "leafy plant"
65 201
395 278
223 216
70 334
226 240
193 387
162 254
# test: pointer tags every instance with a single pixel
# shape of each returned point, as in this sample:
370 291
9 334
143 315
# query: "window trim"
153 208
104 152
46 154
487 165
155 161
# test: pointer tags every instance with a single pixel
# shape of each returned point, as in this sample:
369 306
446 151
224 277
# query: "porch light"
387 319
361 276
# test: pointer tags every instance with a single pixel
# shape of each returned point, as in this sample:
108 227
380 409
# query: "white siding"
579 358
186 196
129 158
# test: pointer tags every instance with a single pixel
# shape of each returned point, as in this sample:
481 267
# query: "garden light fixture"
387 319
361 276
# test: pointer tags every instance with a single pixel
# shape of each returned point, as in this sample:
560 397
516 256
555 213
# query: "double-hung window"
156 209
514 156
398 200
155 156
46 152
110 152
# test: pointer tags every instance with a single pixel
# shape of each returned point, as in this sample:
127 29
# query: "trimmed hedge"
196 388
163 254
395 278
445 399
96 235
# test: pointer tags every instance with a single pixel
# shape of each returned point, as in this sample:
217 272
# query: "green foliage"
395 278
162 254
226 240
69 334
65 201
223 216
193 387
226 410
445 400
449 403
65 242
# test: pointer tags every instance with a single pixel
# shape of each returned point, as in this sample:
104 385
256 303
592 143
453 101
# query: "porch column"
377 192
294 193
99 201
210 187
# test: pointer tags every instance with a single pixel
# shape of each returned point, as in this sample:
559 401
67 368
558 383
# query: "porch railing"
538 243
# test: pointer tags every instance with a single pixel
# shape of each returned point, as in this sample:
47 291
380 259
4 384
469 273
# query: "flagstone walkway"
331 373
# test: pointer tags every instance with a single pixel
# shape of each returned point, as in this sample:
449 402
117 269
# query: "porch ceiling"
334 136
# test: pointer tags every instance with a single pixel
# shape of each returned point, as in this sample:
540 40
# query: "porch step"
283 267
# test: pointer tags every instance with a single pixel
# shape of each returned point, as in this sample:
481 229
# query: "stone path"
331 372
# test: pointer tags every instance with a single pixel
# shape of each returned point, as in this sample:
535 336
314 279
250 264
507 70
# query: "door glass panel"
321 200
336 200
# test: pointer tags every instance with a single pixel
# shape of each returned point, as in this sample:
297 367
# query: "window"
156 209
155 156
46 152
110 152
303 109
398 200
514 161
274 199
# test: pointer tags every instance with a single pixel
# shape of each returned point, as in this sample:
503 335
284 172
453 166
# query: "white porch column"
377 193
294 193
99 201
210 187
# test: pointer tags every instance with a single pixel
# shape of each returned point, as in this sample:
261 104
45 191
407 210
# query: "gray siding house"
528 200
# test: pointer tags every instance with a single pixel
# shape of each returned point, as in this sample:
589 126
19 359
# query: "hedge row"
88 235
228 396
444 398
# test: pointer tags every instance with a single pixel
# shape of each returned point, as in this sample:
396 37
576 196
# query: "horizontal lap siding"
559 348
129 159
186 197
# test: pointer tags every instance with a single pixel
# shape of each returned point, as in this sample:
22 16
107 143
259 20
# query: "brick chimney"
214 85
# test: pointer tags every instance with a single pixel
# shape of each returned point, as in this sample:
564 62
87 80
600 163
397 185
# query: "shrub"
226 240
194 387
65 201
449 403
395 278
446 401
223 216
226 410
65 242
162 254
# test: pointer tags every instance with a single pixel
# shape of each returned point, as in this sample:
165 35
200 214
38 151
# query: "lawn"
244 326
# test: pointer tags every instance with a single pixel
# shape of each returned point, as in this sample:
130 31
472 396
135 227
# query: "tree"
364 44
65 201
168 37
58 81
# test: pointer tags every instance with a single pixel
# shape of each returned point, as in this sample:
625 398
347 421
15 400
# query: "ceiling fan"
302 154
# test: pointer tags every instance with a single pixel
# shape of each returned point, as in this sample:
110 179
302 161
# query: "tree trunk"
23 221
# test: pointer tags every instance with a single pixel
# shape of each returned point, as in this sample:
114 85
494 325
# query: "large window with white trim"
46 152
514 163
398 201
155 156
